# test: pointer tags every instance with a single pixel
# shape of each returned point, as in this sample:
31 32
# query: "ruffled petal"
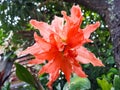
52 68
89 29
67 18
32 49
78 70
66 68
85 56
74 37
44 28
42 43
46 55
76 14
58 24
52 78
40 46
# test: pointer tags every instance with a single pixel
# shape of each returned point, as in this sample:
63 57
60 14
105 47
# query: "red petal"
40 46
74 37
57 24
76 14
32 49
46 55
44 28
89 29
66 68
52 78
85 56
78 70
42 43
53 69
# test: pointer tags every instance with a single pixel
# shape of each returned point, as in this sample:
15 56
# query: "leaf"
110 60
78 83
6 86
116 82
104 84
24 75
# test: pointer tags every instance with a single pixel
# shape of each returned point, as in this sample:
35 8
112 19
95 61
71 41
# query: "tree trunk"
110 11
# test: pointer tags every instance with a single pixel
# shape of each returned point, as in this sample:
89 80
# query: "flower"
61 45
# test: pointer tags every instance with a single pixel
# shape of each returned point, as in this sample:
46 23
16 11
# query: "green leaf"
116 82
104 84
78 83
6 86
110 60
24 75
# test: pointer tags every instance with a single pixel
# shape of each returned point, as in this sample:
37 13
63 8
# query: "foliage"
24 75
6 86
110 80
78 83
116 82
104 84
15 16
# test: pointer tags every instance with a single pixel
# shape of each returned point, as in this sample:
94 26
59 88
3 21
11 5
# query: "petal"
76 14
66 68
52 78
74 37
89 29
67 18
85 56
53 66
44 28
32 49
42 43
58 23
36 61
57 42
40 46
46 55
78 70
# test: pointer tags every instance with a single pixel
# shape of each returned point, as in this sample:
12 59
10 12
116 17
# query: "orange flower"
61 45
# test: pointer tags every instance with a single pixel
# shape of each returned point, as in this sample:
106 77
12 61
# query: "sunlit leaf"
104 84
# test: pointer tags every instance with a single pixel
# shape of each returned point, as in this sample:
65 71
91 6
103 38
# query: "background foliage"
16 33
